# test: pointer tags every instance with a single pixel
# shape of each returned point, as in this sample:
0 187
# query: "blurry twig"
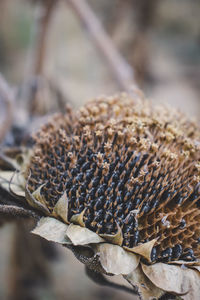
44 19
39 89
120 68
7 97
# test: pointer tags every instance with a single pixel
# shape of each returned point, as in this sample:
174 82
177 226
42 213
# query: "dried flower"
121 178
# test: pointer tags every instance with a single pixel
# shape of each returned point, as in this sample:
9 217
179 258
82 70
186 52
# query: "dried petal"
115 238
82 236
33 199
143 249
61 208
170 278
52 230
78 218
145 287
114 259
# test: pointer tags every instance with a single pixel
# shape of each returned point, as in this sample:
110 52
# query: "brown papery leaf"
61 208
52 230
145 287
82 236
114 259
143 249
171 278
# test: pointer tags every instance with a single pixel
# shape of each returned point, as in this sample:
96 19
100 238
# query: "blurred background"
56 52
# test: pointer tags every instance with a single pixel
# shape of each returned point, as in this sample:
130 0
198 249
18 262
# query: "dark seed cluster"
124 164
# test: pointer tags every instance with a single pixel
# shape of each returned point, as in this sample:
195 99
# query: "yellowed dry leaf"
114 259
52 230
196 268
173 278
13 181
61 208
82 236
145 287
116 239
32 199
78 218
143 249
37 195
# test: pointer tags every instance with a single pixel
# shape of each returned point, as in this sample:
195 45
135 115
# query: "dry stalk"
119 67
6 96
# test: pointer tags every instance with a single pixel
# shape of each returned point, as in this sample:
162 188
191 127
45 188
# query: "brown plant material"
128 164
122 179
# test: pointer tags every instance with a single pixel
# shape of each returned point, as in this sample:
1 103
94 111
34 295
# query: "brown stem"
100 279
7 97
10 211
42 34
142 16
119 67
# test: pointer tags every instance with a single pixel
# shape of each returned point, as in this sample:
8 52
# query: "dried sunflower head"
122 178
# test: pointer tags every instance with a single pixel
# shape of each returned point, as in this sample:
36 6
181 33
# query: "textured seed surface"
125 162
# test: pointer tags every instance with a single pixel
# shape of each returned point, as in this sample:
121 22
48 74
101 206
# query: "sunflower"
117 182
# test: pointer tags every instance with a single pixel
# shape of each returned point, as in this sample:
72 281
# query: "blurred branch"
43 94
44 19
6 96
119 67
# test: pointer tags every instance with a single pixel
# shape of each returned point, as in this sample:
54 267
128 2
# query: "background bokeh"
159 39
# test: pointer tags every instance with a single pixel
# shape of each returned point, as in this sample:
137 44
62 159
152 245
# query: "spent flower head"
122 178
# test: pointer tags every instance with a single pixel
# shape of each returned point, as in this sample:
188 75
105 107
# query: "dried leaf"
186 263
32 199
6 162
6 176
13 182
171 278
82 236
115 238
143 249
52 230
114 259
78 218
61 208
145 287
196 268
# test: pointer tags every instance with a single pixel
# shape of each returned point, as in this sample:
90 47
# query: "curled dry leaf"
114 259
12 182
171 278
52 230
32 199
114 239
145 287
61 208
38 196
82 236
143 249
78 218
